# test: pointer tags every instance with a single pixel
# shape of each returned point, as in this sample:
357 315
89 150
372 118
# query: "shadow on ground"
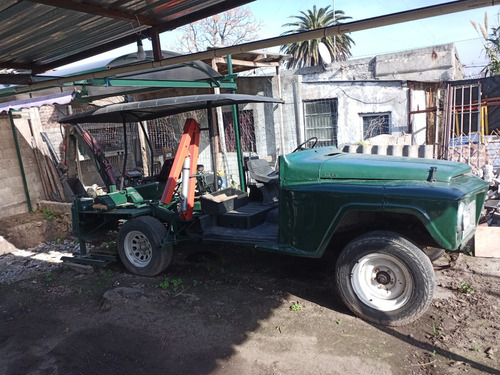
216 310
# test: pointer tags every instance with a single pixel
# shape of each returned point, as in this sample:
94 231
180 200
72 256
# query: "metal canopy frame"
151 109
194 74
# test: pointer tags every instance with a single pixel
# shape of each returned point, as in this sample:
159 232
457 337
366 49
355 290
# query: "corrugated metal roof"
39 35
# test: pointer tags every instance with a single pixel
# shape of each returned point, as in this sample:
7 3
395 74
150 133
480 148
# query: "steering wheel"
299 147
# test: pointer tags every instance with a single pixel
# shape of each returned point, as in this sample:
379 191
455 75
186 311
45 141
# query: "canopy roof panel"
156 108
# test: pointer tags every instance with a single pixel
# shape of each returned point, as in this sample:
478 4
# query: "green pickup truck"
386 217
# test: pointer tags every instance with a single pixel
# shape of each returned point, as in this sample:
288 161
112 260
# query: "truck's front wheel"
385 279
140 246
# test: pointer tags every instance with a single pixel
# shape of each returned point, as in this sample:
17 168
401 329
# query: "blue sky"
422 33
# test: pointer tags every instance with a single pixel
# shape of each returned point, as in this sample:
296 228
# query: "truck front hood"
329 163
380 167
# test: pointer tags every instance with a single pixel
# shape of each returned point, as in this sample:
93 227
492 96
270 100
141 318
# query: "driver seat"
263 180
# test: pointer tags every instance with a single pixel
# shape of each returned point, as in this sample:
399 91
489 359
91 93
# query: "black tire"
434 253
385 279
139 246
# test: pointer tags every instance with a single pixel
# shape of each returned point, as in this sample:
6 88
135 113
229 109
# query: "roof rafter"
98 11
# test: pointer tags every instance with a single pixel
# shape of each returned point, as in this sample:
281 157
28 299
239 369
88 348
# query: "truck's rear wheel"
385 279
139 246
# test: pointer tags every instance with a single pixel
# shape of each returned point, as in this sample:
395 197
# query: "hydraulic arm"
185 163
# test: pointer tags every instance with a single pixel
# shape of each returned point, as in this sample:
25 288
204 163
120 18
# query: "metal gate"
465 126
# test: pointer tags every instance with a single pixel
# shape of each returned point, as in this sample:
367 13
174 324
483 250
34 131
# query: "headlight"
460 216
466 217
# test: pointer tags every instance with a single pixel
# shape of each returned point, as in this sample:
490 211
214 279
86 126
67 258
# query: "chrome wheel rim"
138 249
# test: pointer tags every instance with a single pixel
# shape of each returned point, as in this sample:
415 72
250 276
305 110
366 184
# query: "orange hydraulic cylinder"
188 146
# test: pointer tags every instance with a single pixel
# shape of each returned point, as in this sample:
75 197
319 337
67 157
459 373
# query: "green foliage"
493 53
106 273
296 306
474 347
435 329
49 276
491 45
48 214
465 288
306 53
173 284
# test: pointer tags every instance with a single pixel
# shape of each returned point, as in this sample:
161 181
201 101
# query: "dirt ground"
222 310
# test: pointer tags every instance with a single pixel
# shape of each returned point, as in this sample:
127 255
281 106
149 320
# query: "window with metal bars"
320 117
375 124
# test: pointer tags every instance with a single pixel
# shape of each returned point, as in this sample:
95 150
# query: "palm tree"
306 53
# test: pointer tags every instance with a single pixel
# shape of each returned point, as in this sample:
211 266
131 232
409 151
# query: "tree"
306 53
491 45
235 26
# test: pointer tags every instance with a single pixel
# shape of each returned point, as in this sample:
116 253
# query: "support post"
20 160
237 131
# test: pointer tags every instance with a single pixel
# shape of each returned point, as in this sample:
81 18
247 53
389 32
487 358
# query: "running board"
264 233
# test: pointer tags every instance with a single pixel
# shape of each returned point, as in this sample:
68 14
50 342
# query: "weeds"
106 273
173 284
176 284
296 306
474 347
279 328
48 214
338 321
435 329
465 288
49 276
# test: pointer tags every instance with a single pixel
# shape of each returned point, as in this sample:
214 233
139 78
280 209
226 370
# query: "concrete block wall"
12 194
49 117
412 151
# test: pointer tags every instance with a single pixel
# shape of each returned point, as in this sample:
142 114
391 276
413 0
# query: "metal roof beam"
253 63
98 11
155 41
16 79
201 14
